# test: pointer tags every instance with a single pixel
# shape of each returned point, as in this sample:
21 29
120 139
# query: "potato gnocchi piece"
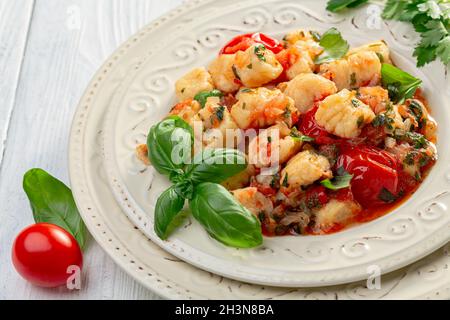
262 107
343 115
300 58
142 154
216 121
253 200
365 69
304 169
272 147
380 48
241 180
337 71
256 66
306 89
293 37
186 110
195 81
377 98
357 70
335 213
221 70
417 113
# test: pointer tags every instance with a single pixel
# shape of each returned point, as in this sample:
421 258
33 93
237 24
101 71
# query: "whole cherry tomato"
373 169
42 254
245 41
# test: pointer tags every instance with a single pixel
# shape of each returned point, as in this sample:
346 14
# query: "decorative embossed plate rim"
150 265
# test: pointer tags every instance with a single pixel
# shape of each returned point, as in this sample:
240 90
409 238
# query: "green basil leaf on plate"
400 84
334 45
52 202
224 218
339 5
170 145
216 165
203 96
168 213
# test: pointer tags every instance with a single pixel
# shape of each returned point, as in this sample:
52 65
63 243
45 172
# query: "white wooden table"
49 50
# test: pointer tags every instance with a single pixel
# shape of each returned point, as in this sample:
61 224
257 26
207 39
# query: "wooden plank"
68 41
15 17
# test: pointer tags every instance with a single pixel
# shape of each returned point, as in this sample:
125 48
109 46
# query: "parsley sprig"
430 18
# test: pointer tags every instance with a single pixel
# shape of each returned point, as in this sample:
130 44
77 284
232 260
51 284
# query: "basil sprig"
400 84
211 204
52 202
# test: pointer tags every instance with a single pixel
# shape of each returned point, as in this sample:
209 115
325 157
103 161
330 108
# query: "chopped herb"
417 139
380 57
286 181
418 176
235 72
246 90
316 36
183 90
262 216
287 113
409 159
250 66
342 181
353 79
387 196
416 110
360 121
220 112
356 103
259 52
244 105
275 181
269 139
297 135
383 119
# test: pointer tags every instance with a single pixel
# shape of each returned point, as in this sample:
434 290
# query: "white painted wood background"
49 50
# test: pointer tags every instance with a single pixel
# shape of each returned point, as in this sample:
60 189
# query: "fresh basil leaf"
342 181
170 144
168 213
338 5
334 45
224 218
216 165
400 84
52 202
203 96
387 196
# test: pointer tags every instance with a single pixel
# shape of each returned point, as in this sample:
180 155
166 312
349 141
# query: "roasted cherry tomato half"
43 253
245 41
308 126
373 169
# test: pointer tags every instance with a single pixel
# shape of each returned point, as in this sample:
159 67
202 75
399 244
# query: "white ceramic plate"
152 266
152 61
